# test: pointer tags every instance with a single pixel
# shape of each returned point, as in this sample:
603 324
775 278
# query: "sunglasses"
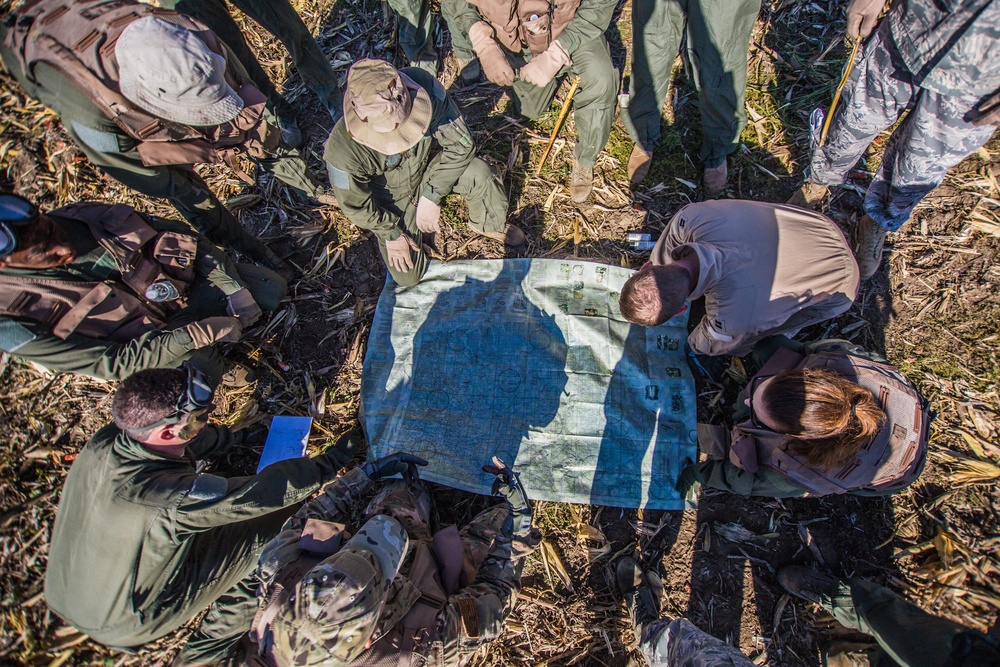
197 396
754 384
15 212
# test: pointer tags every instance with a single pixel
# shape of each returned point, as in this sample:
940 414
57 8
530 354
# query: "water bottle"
162 290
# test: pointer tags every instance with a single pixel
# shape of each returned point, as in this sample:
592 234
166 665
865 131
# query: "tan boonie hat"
335 608
384 109
170 72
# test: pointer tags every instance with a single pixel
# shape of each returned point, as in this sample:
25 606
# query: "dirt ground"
932 310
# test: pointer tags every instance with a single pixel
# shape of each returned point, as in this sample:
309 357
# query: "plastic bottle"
162 290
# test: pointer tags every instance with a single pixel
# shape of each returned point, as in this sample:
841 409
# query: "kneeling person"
763 269
394 593
106 291
143 542
387 175
820 419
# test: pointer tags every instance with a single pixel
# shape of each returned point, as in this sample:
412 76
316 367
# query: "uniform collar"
709 266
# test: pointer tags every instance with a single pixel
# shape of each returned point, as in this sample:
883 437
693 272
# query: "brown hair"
147 397
655 294
828 417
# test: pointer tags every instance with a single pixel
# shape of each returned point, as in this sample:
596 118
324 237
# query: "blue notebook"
286 439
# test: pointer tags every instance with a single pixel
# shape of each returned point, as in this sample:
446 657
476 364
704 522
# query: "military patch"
104 142
208 487
455 132
338 179
470 616
14 335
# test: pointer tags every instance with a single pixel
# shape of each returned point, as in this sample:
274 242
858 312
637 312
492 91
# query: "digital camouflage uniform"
114 152
216 278
379 192
280 19
583 38
142 542
678 643
423 621
937 61
718 37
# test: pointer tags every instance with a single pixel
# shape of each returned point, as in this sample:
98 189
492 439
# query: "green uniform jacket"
373 189
109 360
125 522
592 18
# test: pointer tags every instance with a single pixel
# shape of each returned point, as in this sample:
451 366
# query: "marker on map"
286 439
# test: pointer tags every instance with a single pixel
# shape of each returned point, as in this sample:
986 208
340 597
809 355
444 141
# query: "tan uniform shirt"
764 269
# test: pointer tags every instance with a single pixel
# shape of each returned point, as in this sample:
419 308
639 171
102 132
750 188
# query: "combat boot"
510 235
633 585
638 164
581 182
809 584
869 240
847 654
714 180
810 195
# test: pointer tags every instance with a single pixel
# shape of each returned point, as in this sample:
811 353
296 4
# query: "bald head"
655 294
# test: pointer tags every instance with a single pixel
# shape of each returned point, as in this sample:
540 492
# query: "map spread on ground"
531 360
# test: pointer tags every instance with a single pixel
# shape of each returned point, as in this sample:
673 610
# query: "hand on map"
428 216
393 464
398 251
508 486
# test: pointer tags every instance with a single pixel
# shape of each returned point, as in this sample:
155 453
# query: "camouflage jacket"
460 623
951 47
678 643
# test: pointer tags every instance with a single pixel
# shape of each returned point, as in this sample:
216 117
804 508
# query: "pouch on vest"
106 312
176 253
535 24
143 255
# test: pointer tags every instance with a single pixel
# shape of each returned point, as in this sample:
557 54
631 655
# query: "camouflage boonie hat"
334 609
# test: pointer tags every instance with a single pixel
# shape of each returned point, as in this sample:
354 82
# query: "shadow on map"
628 431
480 389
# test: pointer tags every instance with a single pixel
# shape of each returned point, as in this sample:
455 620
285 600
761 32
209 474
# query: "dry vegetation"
933 312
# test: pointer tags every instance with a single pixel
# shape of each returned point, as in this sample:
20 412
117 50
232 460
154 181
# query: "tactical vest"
109 310
531 23
407 632
78 37
890 462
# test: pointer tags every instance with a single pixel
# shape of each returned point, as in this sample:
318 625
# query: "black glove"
253 436
508 486
393 464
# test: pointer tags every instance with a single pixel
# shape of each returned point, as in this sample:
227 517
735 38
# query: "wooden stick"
559 122
840 89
